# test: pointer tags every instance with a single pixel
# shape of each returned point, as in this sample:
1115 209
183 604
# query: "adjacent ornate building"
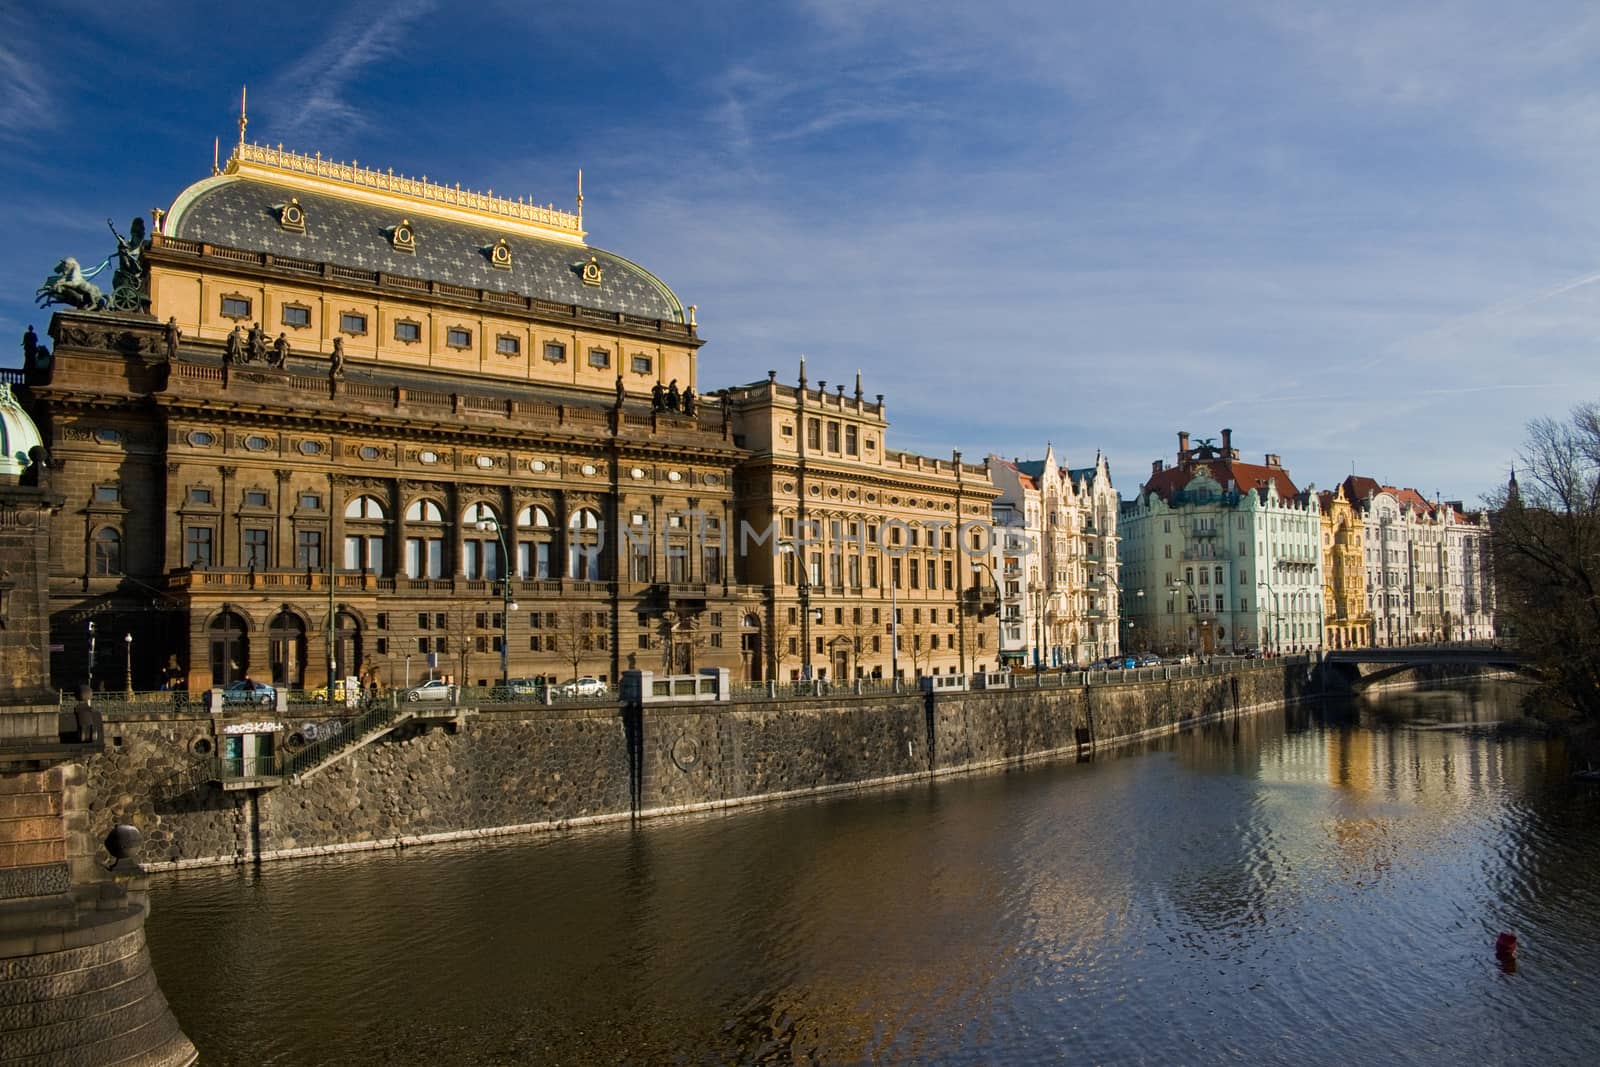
870 556
1062 598
1344 578
1221 555
1427 566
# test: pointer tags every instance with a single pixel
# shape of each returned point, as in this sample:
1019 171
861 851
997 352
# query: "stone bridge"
1362 667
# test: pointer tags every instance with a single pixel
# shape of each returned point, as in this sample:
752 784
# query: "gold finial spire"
243 121
580 197
216 155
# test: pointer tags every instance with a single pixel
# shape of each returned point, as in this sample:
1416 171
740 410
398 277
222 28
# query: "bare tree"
1546 552
580 633
783 632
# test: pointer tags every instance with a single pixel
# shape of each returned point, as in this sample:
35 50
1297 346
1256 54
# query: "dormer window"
291 217
403 238
500 255
591 273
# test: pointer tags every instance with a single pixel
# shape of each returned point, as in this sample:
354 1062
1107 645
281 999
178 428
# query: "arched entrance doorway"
750 646
287 637
230 648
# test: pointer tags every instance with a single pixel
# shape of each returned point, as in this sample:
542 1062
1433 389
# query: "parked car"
587 686
346 690
1149 659
521 689
1182 658
246 691
433 689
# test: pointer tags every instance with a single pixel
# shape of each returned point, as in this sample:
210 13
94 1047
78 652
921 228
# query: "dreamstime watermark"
686 531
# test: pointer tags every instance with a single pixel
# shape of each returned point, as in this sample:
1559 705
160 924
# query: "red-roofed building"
1223 555
1427 565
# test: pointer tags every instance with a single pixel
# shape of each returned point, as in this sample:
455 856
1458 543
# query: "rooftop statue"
70 285
127 282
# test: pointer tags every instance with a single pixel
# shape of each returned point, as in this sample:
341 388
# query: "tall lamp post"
507 605
127 639
91 655
999 612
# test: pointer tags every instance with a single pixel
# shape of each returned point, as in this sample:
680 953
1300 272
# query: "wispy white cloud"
320 92
27 104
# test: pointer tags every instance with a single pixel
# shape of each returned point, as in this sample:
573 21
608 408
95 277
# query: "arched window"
107 552
424 540
480 542
535 541
364 534
584 545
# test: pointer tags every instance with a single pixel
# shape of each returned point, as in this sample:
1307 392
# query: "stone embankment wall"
513 770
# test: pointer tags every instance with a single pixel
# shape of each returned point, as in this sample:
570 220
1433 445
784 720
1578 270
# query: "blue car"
245 691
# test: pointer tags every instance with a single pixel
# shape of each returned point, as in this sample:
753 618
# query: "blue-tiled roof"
244 213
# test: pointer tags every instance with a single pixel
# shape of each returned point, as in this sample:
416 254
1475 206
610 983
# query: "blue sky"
1356 234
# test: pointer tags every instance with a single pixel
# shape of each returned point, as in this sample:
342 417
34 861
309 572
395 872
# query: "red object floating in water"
1505 946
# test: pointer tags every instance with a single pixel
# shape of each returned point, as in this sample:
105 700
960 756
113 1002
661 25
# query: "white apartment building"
1060 561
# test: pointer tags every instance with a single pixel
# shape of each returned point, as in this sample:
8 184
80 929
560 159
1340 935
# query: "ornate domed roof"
18 434
305 207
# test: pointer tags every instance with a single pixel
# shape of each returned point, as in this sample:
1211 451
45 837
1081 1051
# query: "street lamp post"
999 612
127 640
91 655
507 605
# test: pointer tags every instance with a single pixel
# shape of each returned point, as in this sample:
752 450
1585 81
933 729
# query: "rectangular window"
310 502
308 549
255 548
555 352
813 433
851 447
833 436
599 358
407 331
197 546
107 494
456 337
255 498
352 322
507 345
199 496
641 364
235 307
296 315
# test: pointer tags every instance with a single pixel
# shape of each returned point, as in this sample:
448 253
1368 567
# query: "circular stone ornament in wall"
311 448
712 479
201 439
636 473
369 452
427 456
484 462
257 443
107 436
538 466
686 752
674 476
589 468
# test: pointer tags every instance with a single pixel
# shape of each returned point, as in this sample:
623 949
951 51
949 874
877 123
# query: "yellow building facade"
1344 592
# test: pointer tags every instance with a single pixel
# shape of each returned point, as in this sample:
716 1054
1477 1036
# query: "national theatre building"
333 421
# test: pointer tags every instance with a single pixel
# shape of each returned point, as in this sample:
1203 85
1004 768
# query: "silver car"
436 689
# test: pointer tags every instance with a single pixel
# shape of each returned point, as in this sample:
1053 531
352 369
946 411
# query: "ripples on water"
1293 888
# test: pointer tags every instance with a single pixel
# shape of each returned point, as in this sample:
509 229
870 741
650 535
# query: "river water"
1316 886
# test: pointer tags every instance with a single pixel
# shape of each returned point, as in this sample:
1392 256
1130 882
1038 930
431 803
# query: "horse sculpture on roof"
69 284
